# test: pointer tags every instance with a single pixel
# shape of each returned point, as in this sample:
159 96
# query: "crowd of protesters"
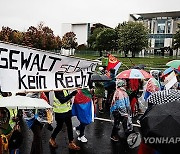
121 97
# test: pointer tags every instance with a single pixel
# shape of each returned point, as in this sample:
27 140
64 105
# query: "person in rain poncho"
121 110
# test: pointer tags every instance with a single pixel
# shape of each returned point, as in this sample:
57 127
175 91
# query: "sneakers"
77 131
138 122
52 142
73 146
114 138
82 139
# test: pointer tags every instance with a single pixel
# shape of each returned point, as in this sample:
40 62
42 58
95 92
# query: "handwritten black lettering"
21 81
31 81
11 60
24 61
69 80
76 81
4 59
59 77
42 64
35 62
54 62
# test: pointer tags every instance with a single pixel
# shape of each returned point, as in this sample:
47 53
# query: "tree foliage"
40 37
92 38
12 36
176 38
107 40
133 36
69 41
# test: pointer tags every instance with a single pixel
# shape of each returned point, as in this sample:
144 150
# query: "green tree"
92 38
176 39
107 40
133 36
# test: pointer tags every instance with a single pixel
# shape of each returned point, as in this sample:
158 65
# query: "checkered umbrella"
165 96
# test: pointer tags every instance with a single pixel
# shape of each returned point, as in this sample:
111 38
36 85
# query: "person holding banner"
62 109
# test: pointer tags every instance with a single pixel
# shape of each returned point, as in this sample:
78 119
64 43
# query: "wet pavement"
98 135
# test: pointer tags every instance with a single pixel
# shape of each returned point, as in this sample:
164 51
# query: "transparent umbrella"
23 102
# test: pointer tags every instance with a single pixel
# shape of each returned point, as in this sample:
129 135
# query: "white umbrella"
23 102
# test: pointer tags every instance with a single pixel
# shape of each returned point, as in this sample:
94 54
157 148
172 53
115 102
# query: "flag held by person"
113 63
83 106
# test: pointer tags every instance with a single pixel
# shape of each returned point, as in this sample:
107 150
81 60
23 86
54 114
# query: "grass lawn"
151 62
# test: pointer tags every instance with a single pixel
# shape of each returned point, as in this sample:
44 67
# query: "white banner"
26 69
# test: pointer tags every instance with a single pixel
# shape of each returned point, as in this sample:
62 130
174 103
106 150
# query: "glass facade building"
162 27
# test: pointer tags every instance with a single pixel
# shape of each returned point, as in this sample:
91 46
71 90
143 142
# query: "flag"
170 80
83 106
114 63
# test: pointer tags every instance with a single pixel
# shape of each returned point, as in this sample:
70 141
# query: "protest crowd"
130 97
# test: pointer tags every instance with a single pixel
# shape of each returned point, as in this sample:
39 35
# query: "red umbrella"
134 74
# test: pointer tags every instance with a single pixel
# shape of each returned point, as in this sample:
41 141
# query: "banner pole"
125 65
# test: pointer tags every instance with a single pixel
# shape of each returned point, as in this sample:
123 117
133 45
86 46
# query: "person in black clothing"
110 86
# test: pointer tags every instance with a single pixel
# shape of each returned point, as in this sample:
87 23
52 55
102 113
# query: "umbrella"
23 102
164 96
98 77
173 63
134 74
139 66
167 71
152 85
160 127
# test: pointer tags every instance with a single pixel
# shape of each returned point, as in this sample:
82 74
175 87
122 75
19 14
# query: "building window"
169 26
159 43
160 26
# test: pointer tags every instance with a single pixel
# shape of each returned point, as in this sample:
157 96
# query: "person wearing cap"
121 110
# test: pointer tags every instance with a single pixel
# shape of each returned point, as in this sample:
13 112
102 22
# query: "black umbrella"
99 78
160 127
139 66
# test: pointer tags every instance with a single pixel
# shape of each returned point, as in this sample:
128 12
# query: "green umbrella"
174 63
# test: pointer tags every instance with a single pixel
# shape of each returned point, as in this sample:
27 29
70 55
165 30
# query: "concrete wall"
81 32
66 27
80 29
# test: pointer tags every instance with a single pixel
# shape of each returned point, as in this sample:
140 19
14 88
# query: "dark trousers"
110 93
117 118
60 119
36 147
81 128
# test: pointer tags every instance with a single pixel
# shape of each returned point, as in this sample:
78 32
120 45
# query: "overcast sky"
21 14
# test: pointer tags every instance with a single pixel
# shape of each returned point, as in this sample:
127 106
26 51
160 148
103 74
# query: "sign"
27 69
